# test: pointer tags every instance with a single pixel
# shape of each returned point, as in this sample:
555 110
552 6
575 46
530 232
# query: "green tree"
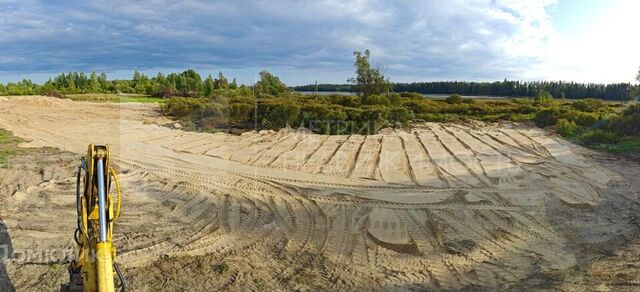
189 83
544 97
209 86
271 85
369 79
222 82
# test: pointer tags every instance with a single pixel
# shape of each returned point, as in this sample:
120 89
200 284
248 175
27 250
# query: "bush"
589 105
375 100
631 110
598 136
545 118
344 100
395 99
454 99
52 93
241 112
567 128
628 124
182 107
400 115
584 119
469 100
412 95
543 97
278 114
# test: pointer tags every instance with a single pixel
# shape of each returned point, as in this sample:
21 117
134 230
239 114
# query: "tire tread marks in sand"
461 154
344 157
368 158
322 155
452 170
393 166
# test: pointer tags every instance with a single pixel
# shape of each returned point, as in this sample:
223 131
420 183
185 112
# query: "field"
436 206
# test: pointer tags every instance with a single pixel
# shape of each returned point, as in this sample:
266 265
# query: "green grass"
111 97
8 147
626 145
220 268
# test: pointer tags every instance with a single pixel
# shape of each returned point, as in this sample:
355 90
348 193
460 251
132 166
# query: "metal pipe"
102 198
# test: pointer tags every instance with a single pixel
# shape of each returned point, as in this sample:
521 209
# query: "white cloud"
417 40
608 50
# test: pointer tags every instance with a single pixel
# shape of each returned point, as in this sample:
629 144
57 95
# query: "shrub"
344 100
412 95
395 99
182 107
632 109
400 115
454 99
545 118
584 119
599 136
526 109
241 112
278 114
543 97
567 128
52 93
375 100
469 100
628 124
521 101
589 105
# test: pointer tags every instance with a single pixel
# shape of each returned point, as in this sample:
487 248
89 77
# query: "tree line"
558 89
188 83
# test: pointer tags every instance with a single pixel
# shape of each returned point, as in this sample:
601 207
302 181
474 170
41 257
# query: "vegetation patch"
8 147
220 268
112 97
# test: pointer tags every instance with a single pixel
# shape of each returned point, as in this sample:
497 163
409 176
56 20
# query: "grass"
8 147
112 97
220 268
626 145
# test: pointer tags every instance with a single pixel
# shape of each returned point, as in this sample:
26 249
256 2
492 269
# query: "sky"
307 41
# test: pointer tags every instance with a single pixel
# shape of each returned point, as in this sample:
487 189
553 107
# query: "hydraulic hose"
115 181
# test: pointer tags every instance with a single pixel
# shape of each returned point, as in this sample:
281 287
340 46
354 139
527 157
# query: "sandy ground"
437 207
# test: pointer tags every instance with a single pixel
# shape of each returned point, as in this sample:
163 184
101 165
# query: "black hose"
123 281
78 207
76 236
78 200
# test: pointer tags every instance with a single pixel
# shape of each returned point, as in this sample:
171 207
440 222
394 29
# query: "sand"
437 206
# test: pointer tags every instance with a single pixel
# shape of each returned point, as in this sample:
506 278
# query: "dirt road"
440 206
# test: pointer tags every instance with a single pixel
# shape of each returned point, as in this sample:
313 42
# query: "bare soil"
437 207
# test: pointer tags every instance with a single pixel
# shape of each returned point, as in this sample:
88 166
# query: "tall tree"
271 84
369 79
209 86
221 82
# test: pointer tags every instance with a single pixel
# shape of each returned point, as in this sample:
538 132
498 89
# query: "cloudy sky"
304 41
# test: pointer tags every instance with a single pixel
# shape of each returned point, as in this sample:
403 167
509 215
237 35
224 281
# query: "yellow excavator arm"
93 269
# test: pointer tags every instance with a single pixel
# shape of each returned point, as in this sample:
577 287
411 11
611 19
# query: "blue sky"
304 41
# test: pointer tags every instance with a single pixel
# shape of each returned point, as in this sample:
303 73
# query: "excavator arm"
93 269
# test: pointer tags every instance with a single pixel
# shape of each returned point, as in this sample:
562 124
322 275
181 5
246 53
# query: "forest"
188 83
506 88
